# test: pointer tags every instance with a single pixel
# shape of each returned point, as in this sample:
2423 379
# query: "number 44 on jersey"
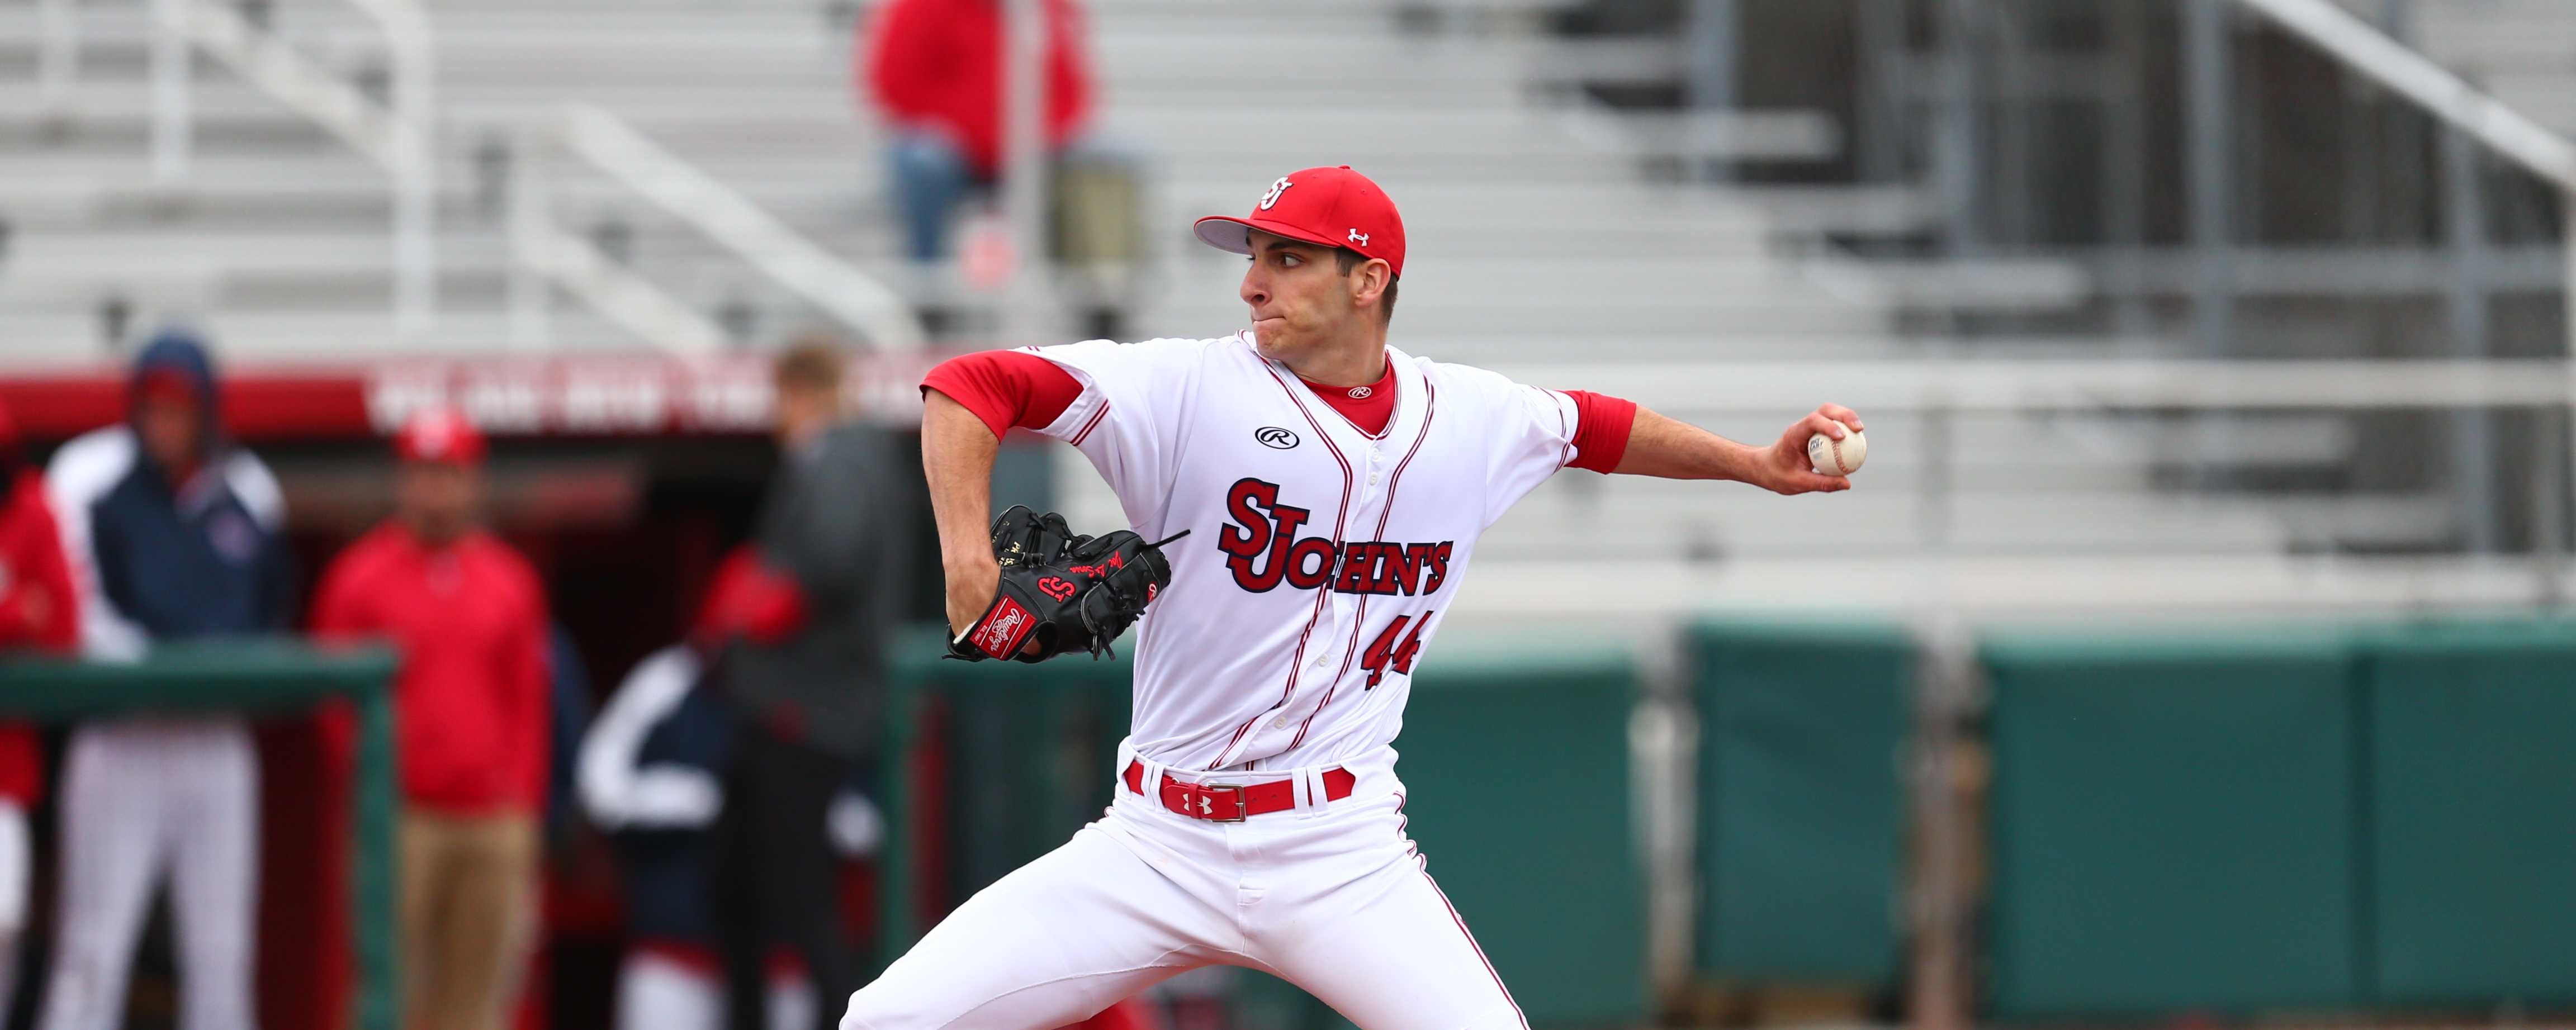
1385 653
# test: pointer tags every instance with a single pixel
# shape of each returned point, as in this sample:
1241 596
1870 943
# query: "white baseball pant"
141 795
1330 896
15 860
657 992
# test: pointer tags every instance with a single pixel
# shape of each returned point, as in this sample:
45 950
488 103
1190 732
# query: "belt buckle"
1208 799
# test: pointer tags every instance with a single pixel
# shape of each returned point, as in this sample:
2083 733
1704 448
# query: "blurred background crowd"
2190 650
723 785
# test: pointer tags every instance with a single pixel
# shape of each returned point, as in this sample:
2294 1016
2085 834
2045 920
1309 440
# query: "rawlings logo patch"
1005 629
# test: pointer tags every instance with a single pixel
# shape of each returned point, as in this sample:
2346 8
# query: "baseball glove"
1065 591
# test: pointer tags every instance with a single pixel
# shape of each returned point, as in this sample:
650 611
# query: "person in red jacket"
38 612
471 710
935 67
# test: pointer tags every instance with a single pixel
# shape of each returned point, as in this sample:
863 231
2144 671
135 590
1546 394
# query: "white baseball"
1838 457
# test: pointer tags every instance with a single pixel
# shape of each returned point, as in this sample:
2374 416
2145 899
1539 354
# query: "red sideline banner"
607 396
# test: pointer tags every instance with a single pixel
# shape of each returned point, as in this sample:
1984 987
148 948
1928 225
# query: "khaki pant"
468 893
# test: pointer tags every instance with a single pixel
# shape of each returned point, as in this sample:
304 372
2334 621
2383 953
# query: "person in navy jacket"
173 533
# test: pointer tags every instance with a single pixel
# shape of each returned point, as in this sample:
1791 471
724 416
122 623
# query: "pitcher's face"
1299 296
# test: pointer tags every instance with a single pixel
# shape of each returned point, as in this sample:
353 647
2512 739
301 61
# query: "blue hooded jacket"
163 560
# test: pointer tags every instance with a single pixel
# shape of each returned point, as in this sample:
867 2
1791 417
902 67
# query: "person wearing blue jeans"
930 176
934 69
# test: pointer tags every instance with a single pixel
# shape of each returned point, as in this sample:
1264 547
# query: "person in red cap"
471 716
38 613
1332 488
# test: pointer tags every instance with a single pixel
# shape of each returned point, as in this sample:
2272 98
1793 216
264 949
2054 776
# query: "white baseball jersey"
1320 558
1319 561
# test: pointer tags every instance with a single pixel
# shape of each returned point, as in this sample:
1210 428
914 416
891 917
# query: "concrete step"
1937 587
1567 320
50 339
1866 521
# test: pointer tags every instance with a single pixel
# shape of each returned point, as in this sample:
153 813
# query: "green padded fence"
1515 759
2470 834
2369 818
1516 769
1028 750
2172 826
263 676
1801 802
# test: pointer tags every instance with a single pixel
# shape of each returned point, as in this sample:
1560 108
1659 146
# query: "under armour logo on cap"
1359 237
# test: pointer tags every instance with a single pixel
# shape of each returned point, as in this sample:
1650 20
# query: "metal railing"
398 134
545 253
2370 52
57 54
2366 50
1947 693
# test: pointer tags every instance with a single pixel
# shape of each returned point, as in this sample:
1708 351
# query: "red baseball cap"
1328 207
439 434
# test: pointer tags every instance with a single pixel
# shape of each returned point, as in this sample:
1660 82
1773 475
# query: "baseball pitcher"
1303 501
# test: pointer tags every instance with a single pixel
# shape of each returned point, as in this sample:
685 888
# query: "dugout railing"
264 677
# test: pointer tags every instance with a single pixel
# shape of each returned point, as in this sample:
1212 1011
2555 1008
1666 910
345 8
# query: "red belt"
1236 803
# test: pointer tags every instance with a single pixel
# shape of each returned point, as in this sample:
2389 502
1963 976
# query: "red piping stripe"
1359 623
1297 662
1566 456
1471 943
1085 432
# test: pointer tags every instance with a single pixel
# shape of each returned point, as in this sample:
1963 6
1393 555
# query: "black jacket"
837 522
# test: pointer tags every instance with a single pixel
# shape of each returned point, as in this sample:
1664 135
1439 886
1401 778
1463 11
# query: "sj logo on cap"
1272 197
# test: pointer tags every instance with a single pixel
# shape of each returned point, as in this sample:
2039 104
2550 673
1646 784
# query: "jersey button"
1279 723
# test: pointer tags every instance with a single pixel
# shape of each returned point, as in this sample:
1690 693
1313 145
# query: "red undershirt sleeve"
1601 430
1006 388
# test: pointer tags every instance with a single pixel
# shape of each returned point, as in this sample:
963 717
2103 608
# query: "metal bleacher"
1537 248
274 238
2049 509
2519 50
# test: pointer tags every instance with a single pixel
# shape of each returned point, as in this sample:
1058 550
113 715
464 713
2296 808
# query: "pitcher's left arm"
1672 449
